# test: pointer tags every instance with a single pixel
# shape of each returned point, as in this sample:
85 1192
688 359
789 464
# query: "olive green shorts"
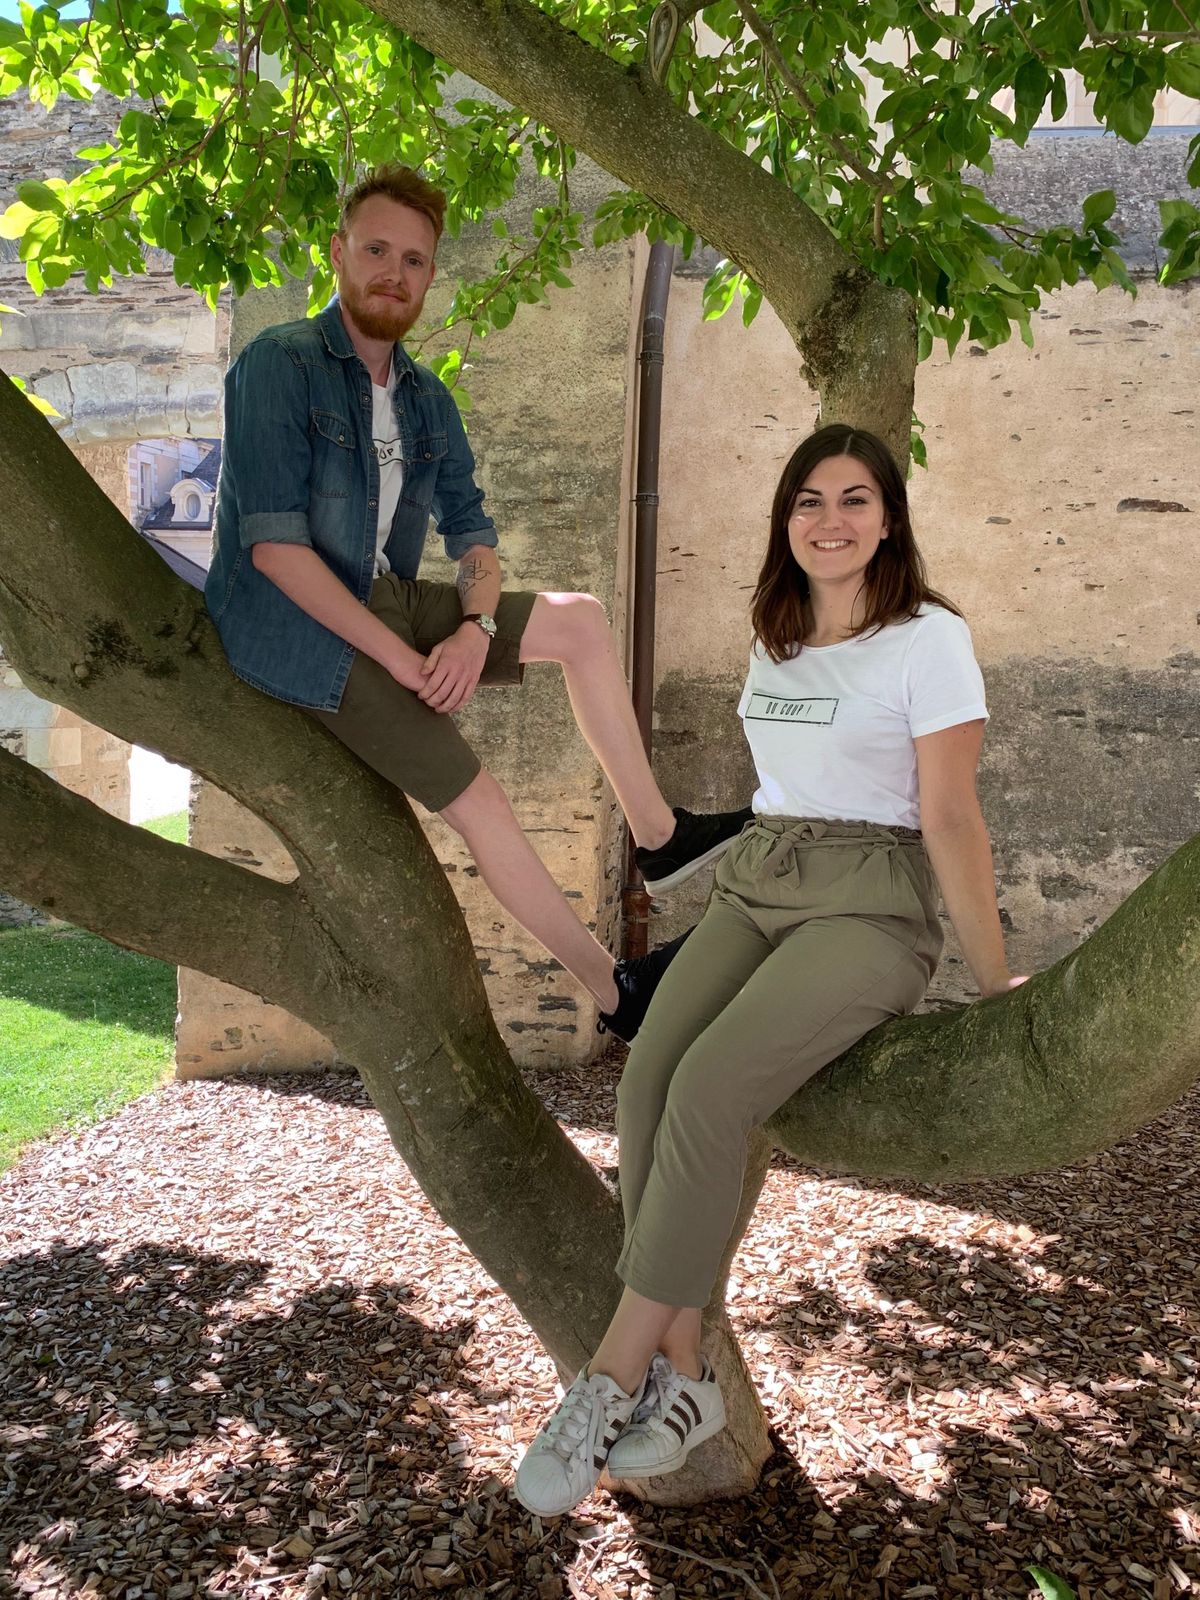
418 749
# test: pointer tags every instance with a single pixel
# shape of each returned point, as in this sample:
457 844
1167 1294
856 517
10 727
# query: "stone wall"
140 360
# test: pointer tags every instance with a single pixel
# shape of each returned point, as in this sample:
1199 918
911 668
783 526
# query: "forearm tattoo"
470 572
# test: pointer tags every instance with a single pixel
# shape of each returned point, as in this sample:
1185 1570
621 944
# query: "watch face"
488 624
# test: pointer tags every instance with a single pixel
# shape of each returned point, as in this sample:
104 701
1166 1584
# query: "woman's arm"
959 850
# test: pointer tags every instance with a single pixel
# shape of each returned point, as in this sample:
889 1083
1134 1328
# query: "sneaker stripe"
680 1433
686 1399
682 1416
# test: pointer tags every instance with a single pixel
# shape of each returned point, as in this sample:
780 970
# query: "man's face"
384 265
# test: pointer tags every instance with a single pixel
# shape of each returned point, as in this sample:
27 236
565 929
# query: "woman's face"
837 521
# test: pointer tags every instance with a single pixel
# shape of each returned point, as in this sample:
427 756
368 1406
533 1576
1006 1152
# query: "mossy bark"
1084 1054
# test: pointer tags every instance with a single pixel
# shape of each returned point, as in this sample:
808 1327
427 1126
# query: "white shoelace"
663 1384
578 1421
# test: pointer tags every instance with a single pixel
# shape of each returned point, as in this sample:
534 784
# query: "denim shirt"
298 467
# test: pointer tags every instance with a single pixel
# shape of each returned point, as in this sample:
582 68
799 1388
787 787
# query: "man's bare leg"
515 874
573 630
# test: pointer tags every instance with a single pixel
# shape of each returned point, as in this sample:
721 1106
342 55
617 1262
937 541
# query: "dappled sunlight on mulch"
240 1356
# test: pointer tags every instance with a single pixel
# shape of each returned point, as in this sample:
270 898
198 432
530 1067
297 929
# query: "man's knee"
586 629
482 804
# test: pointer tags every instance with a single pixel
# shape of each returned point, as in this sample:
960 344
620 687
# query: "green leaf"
15 220
1052 1586
1058 96
719 291
1182 67
953 128
39 197
1031 85
1132 115
1099 207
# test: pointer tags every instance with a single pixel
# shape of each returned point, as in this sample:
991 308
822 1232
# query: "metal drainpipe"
636 899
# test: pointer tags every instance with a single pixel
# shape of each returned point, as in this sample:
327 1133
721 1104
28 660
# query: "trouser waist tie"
790 832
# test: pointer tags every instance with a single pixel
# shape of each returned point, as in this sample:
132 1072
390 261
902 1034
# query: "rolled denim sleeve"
457 498
266 448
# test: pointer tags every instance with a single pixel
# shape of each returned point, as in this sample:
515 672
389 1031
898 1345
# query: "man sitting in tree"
338 447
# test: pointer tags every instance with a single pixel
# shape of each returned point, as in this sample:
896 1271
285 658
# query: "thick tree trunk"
367 944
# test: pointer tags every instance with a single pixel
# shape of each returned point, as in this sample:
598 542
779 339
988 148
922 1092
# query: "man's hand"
452 668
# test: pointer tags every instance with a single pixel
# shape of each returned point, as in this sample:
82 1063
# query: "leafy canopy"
251 116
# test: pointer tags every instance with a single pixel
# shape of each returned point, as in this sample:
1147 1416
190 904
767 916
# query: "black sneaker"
697 840
636 983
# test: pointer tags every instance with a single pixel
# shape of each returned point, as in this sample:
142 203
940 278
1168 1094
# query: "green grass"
173 827
84 1027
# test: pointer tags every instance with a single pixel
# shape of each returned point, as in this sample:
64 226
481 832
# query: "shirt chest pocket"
334 449
421 469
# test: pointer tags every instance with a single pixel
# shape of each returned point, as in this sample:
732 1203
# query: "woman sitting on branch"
864 711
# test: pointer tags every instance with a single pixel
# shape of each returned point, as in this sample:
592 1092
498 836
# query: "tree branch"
1080 1056
95 621
857 337
63 854
635 131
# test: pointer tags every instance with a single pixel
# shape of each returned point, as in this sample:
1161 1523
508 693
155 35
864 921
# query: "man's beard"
379 319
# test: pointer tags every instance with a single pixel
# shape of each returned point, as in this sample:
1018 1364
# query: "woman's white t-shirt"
831 731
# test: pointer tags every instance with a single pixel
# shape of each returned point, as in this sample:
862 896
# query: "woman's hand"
1003 985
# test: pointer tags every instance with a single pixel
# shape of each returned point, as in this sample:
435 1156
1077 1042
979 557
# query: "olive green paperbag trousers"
816 931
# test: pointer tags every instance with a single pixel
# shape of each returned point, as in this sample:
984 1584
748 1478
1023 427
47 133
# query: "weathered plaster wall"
1085 611
548 428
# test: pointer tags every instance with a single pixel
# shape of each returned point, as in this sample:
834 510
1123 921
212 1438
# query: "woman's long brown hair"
895 580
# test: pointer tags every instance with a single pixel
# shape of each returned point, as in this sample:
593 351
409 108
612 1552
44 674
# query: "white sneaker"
564 1462
674 1415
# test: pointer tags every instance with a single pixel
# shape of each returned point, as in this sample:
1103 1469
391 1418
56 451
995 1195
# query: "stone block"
19 707
153 420
54 388
206 385
104 401
222 1030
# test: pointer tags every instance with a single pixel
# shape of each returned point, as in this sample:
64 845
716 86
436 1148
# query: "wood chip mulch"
240 1356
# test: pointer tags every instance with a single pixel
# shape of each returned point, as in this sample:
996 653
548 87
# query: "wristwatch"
488 624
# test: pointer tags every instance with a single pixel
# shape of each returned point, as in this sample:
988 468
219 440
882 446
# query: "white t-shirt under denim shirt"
385 442
831 731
